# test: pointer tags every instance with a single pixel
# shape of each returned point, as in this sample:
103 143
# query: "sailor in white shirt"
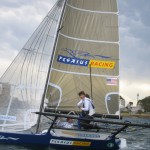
87 107
65 124
85 104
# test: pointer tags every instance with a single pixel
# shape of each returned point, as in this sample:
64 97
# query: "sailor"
87 108
85 104
65 124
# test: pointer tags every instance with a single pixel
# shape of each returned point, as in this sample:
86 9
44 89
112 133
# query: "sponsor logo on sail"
102 64
72 61
89 62
7 118
77 53
67 142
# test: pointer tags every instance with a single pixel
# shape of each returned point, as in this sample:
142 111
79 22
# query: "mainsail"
23 83
89 37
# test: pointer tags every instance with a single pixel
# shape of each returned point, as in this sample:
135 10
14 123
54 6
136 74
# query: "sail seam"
84 74
92 11
87 40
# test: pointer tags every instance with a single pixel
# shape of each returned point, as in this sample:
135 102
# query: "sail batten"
89 40
86 10
83 74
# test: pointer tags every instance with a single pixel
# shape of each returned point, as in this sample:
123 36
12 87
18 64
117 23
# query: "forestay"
23 83
89 37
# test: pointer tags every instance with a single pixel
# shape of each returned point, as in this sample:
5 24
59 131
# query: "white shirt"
87 104
65 124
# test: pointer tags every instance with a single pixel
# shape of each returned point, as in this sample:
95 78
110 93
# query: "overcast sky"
19 18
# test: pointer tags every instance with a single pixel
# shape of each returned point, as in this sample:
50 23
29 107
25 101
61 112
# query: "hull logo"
8 138
67 142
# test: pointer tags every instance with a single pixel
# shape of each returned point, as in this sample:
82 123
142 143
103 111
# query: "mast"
50 66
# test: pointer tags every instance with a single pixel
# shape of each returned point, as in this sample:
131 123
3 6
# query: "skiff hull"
48 139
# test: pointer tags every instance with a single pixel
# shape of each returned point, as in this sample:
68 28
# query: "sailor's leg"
79 121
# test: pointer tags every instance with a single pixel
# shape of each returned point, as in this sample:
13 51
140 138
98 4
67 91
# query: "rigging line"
36 51
88 40
97 95
13 65
9 68
44 46
38 35
25 58
42 52
92 11
94 93
42 34
50 66
32 61
30 47
29 60
91 82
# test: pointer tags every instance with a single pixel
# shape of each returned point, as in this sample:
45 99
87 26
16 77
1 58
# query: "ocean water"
137 138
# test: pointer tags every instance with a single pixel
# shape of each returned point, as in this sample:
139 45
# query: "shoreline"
135 115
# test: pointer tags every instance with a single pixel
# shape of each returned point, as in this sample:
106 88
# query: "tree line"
145 103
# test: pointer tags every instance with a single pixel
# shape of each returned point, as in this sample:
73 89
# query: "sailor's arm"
80 104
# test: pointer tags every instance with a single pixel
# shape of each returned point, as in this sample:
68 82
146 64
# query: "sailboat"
76 47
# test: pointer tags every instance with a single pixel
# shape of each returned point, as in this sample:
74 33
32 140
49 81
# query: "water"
136 139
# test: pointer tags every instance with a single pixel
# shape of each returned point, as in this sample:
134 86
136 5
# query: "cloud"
134 48
18 20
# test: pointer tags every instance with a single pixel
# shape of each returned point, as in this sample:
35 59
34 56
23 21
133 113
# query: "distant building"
122 101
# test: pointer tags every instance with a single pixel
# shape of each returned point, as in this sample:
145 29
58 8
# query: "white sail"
89 36
23 82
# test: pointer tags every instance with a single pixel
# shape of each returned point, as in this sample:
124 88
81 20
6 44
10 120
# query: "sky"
19 18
